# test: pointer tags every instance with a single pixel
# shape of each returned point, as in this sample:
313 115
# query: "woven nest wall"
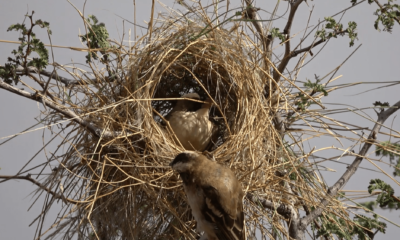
129 191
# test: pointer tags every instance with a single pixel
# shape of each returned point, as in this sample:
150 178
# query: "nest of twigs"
123 185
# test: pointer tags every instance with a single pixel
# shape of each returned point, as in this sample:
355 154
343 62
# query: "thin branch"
384 10
285 60
252 14
286 211
266 41
395 198
66 81
306 209
28 178
61 109
53 75
279 208
332 191
313 45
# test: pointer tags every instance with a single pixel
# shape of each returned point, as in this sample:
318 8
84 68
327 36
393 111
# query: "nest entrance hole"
204 80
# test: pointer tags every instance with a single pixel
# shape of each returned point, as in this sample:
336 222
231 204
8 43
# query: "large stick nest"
123 185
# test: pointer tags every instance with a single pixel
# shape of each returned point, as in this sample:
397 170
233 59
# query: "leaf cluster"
337 30
96 37
362 229
315 87
386 15
386 197
29 43
331 224
378 103
367 224
276 33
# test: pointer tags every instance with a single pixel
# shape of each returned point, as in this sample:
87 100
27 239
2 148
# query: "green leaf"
386 197
276 33
18 27
96 38
387 15
29 44
337 30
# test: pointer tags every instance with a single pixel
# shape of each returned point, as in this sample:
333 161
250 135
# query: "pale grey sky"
376 60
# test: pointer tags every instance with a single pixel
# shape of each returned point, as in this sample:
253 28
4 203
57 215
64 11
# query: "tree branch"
29 178
384 10
279 208
99 132
285 60
66 81
55 76
266 41
306 49
252 14
284 210
332 191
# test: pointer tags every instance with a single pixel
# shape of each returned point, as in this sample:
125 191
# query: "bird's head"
188 105
184 161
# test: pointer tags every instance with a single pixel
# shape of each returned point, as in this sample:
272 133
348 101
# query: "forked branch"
294 4
298 226
252 15
332 191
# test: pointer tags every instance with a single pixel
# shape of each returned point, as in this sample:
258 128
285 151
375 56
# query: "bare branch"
66 81
252 14
284 210
332 191
266 41
279 208
306 49
29 178
285 60
99 132
53 75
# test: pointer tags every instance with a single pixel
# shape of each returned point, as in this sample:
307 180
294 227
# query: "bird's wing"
228 222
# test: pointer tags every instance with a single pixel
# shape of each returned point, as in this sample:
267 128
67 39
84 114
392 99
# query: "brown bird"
214 195
190 122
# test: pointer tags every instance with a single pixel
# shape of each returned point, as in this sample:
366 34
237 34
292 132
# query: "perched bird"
214 195
190 122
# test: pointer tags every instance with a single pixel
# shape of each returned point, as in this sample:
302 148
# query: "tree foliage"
387 14
28 45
